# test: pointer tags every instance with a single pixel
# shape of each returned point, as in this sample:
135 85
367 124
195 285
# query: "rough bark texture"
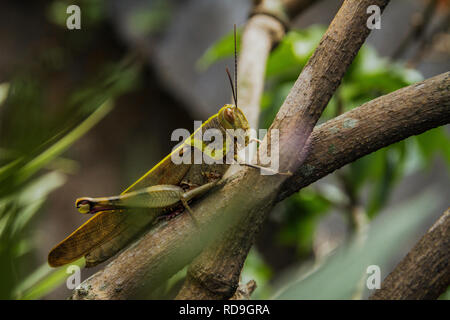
424 273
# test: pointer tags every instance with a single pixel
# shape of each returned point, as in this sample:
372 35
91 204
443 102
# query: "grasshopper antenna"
235 67
234 85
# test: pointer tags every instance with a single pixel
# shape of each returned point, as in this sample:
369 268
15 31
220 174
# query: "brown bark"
424 273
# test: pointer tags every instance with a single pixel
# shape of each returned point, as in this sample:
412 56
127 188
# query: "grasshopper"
166 188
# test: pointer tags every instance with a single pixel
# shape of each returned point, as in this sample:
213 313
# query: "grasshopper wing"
107 232
134 224
104 234
88 236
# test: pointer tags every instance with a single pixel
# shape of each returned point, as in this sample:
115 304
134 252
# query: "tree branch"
376 124
424 273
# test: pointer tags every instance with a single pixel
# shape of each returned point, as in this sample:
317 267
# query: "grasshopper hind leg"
194 193
189 210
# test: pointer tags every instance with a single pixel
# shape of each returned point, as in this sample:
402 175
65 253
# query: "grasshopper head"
94 205
231 117
84 205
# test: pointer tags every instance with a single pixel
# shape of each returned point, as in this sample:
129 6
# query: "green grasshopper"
166 188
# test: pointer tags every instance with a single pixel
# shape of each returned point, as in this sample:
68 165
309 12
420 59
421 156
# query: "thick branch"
424 273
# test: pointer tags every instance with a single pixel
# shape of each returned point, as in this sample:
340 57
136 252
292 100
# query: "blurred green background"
86 112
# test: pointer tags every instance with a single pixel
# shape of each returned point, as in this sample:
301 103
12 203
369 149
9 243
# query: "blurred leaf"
64 143
32 139
43 281
434 141
255 269
445 295
293 52
274 98
33 196
4 89
56 13
300 217
219 50
150 17
27 201
339 276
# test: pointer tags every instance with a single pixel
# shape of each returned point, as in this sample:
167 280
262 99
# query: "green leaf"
63 144
293 52
43 281
149 18
434 141
33 196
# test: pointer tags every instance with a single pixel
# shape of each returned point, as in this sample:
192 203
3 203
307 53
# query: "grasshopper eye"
229 115
83 206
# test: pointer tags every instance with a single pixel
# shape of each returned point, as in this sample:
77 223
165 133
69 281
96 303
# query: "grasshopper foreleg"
255 166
